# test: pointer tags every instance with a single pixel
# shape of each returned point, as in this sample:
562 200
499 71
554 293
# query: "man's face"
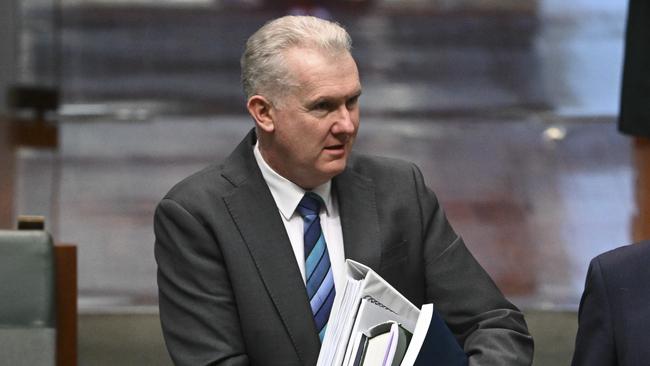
316 122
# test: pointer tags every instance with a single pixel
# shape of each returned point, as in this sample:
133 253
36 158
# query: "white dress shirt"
287 195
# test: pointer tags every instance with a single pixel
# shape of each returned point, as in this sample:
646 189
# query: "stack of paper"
372 324
381 303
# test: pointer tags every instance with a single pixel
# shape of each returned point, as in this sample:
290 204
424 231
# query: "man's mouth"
335 147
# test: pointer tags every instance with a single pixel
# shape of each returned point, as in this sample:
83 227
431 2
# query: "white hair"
263 70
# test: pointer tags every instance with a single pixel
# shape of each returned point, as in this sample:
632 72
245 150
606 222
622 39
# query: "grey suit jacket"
231 292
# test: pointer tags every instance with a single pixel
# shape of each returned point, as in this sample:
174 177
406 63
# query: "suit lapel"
359 218
255 213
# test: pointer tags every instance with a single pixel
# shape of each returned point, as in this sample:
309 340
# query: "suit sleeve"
491 330
595 339
197 308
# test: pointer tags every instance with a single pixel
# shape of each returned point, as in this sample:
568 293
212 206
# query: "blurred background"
508 106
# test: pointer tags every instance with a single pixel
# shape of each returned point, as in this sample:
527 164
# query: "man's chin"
334 168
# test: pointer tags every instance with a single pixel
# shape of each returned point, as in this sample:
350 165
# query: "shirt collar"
287 194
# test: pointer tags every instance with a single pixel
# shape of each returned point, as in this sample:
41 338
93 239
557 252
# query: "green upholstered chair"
27 298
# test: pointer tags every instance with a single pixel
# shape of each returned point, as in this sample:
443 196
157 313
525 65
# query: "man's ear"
260 109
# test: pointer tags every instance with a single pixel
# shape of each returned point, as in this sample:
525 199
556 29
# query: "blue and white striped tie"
318 271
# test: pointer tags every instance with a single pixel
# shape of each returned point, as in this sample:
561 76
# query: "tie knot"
309 205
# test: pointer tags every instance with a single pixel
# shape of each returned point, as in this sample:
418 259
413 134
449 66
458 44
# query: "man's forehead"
314 72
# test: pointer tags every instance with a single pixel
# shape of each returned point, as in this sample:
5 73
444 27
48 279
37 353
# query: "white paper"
361 282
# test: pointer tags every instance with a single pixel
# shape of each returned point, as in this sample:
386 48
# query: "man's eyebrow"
320 99
356 94
329 98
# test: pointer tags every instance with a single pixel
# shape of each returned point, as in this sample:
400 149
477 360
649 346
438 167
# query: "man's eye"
352 102
322 106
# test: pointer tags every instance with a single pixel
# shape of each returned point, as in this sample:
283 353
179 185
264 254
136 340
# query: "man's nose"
344 121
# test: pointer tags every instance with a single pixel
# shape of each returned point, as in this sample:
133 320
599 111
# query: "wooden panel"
7 176
641 221
34 133
66 304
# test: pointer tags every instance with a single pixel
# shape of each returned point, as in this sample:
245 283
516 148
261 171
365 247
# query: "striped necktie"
318 271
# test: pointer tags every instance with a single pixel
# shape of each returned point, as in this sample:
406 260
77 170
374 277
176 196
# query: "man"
634 116
614 315
232 270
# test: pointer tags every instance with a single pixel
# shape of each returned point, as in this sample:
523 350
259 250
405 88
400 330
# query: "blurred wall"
7 49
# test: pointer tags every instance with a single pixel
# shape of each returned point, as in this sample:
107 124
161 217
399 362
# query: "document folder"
368 300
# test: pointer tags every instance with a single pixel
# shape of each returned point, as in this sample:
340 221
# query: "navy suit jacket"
231 293
634 116
614 317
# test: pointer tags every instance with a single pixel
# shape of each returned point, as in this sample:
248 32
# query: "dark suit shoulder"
624 266
391 177
203 186
381 167
626 258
